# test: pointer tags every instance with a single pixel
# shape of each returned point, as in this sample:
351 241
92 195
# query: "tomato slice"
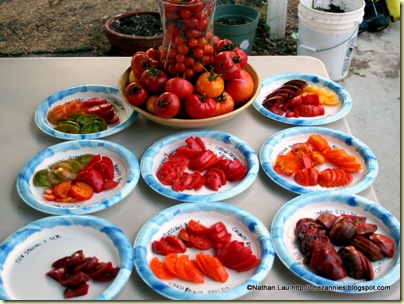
212 180
247 264
203 161
196 228
101 269
284 164
166 174
182 182
174 242
171 260
76 291
110 184
201 242
81 191
193 273
195 181
216 268
180 267
159 270
62 190
108 276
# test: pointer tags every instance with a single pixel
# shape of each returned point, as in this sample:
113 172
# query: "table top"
26 82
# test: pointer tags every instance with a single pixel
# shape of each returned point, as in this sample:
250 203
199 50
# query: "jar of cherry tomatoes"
187 48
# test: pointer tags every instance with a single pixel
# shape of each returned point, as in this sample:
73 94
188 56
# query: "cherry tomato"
200 106
153 80
210 83
224 103
179 86
136 94
241 88
167 105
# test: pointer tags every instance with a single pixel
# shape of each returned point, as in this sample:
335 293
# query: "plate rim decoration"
321 120
349 200
149 177
113 232
43 108
152 226
25 176
370 161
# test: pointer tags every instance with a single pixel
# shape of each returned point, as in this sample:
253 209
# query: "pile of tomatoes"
203 89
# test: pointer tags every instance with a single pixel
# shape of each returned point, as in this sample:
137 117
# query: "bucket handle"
326 49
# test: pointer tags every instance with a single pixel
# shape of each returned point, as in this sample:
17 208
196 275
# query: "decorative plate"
282 141
243 226
26 256
332 113
221 144
126 167
386 271
83 92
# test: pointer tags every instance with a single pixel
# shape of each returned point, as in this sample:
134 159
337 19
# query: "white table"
26 82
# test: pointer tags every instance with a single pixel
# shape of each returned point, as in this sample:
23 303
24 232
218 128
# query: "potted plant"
134 31
238 23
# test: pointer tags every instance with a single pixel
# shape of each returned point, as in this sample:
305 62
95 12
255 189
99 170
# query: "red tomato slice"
76 291
196 228
166 174
182 182
174 243
110 184
62 190
212 180
203 161
247 264
201 242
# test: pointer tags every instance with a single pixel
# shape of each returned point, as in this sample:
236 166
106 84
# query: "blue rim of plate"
152 226
352 202
27 172
114 233
370 161
42 110
148 158
343 95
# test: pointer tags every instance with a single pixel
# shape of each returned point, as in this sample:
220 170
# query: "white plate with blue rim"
332 113
126 168
243 226
221 143
83 92
386 271
282 141
27 255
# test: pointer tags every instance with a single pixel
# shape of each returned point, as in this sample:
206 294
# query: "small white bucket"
328 36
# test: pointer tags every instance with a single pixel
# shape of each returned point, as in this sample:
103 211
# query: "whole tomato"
150 103
136 94
167 105
179 86
241 88
153 80
200 106
224 103
240 57
226 64
210 83
140 62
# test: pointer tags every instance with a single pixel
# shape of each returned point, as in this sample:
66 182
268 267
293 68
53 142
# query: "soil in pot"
332 9
138 25
233 20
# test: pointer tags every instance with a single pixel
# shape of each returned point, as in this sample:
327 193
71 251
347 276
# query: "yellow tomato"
210 84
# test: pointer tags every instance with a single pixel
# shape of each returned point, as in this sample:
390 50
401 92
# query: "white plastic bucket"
330 37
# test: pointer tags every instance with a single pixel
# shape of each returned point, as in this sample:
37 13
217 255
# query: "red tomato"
203 161
224 103
167 105
225 63
140 62
168 244
200 106
153 80
196 228
166 174
233 169
241 88
179 86
136 94
201 242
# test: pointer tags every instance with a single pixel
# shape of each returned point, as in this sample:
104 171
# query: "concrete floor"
374 84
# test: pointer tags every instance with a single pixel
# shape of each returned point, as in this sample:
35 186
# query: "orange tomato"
224 103
210 84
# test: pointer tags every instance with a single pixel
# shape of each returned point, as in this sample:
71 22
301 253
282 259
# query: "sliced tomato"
182 182
174 242
285 164
76 291
319 143
110 184
75 279
166 174
196 182
101 269
215 268
62 190
108 276
81 191
171 260
201 242
247 264
178 163
302 177
212 180
159 270
196 228
203 161
180 267
193 273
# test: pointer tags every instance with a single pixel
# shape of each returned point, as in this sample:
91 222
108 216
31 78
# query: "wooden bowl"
190 123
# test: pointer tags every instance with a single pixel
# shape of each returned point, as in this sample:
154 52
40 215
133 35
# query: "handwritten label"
32 248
